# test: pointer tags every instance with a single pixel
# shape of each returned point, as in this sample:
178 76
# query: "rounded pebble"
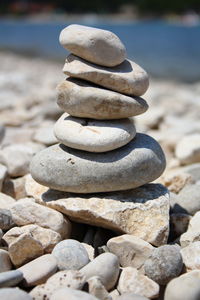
14 294
66 293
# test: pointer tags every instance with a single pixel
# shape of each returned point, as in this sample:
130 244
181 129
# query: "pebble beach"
58 244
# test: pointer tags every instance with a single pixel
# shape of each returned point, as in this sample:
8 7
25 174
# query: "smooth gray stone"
14 294
99 46
10 278
65 169
86 100
70 255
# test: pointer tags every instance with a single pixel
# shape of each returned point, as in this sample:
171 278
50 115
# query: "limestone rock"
70 255
126 78
139 162
184 287
10 278
106 267
47 237
33 188
190 255
73 95
99 46
15 187
131 250
97 289
188 149
142 212
34 213
164 264
6 201
38 270
23 249
90 250
193 232
94 135
132 281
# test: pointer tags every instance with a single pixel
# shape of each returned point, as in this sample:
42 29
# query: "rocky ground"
96 260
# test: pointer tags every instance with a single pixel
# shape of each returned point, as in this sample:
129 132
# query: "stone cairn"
99 174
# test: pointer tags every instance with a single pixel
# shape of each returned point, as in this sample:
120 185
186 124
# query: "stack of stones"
101 164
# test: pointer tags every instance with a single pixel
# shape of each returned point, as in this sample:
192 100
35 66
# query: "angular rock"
97 289
5 262
14 294
131 250
73 95
67 293
15 187
143 212
10 278
3 173
126 78
38 270
70 255
193 232
47 237
132 281
164 264
6 201
90 250
139 162
188 149
106 267
24 248
96 45
34 213
190 255
33 188
94 135
6 221
184 287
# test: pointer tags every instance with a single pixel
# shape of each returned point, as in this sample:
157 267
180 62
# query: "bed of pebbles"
110 238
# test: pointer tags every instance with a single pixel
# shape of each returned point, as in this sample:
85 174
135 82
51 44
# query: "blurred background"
162 36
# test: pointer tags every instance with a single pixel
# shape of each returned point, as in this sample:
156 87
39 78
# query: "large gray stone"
62 168
143 212
94 135
126 78
96 45
14 294
10 278
83 99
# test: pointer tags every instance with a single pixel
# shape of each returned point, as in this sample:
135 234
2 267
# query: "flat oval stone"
126 78
94 135
66 169
95 45
10 278
83 99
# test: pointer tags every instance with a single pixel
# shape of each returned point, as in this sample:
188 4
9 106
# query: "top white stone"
95 45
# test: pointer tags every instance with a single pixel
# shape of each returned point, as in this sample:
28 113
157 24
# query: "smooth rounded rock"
106 267
70 278
140 161
93 135
38 270
70 255
127 78
14 294
188 149
10 278
164 264
5 262
184 287
67 293
99 46
83 99
191 255
130 296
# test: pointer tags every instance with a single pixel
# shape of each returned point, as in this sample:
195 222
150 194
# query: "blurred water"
164 50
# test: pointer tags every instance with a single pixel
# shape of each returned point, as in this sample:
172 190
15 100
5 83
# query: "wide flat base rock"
143 212
94 135
65 169
127 78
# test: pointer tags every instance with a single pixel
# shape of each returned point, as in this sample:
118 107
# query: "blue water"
164 50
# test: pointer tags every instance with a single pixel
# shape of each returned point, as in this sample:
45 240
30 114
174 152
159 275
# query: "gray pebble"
164 264
6 221
70 255
14 294
10 278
